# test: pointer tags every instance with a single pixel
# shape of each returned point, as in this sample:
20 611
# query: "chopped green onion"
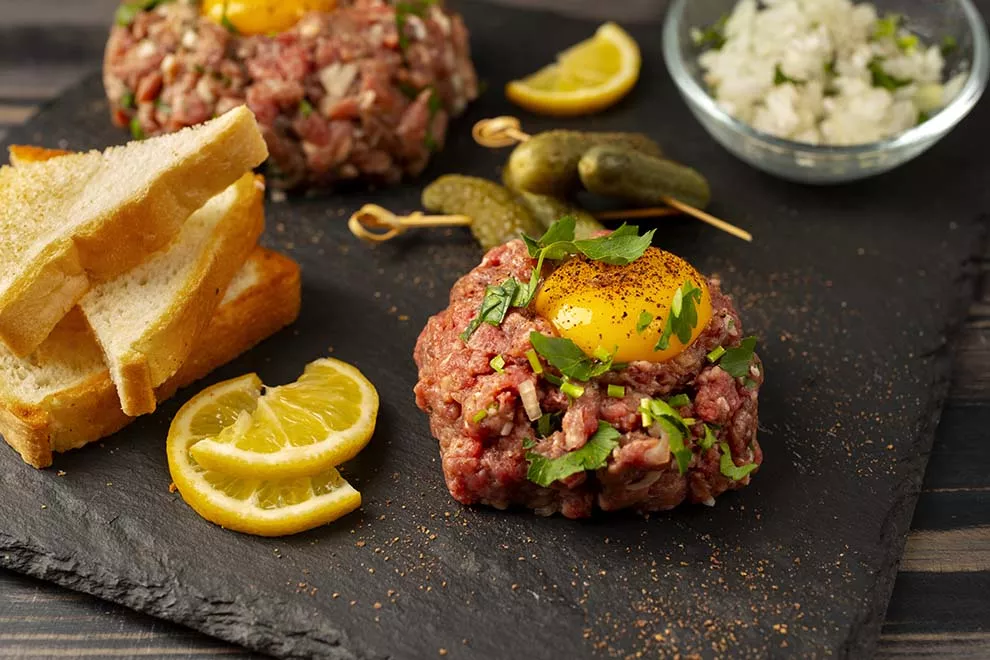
528 443
716 354
534 361
679 401
479 416
729 468
616 391
602 355
572 390
907 42
136 131
305 108
498 363
127 101
689 421
553 380
709 440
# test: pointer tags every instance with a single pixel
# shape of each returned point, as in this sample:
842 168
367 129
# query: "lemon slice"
586 78
266 507
322 420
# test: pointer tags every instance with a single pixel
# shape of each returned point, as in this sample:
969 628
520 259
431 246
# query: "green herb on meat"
548 424
305 108
568 357
907 42
528 443
675 427
572 390
682 317
226 22
679 401
497 363
780 78
716 354
127 12
544 471
479 416
883 79
434 105
411 92
736 361
137 132
616 391
403 10
709 440
728 467
645 319
127 101
713 36
494 306
886 27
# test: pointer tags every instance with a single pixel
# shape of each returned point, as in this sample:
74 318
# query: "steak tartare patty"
488 441
342 95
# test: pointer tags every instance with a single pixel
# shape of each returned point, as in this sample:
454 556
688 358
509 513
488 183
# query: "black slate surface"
852 291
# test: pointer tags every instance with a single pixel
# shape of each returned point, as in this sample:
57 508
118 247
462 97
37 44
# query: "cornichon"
547 163
498 217
642 179
548 210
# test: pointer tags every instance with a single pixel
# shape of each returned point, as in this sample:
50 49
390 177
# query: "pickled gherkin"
547 163
498 216
548 210
641 179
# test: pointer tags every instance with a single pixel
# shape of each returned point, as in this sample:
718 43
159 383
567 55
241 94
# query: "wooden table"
941 602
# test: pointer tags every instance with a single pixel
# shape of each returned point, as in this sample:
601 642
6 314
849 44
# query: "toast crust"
112 242
91 410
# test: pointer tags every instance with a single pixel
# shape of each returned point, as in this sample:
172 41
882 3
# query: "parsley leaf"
127 12
887 26
434 105
780 78
621 247
682 317
544 471
494 306
402 12
657 411
709 440
736 360
528 443
679 401
712 36
226 22
645 319
728 467
883 79
548 424
568 357
137 131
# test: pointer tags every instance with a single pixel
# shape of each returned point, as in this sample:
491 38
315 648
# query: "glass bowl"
933 20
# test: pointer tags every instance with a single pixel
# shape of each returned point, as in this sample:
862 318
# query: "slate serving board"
851 290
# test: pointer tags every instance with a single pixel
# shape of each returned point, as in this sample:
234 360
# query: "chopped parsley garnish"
572 390
716 353
403 10
534 361
728 467
479 416
709 440
679 401
780 78
887 26
713 36
497 363
528 443
736 361
127 101
655 411
137 132
305 108
411 92
883 79
616 391
434 105
127 12
544 471
621 247
949 45
682 316
645 319
907 42
548 424
568 357
923 117
226 22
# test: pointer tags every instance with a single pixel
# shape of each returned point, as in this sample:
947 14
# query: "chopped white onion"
645 482
709 502
527 392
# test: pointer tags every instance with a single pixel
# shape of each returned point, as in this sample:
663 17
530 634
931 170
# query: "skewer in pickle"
547 163
498 217
636 177
548 210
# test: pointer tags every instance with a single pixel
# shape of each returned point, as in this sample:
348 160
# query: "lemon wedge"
323 419
261 506
587 77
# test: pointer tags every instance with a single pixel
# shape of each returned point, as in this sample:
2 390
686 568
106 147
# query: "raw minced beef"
336 95
485 461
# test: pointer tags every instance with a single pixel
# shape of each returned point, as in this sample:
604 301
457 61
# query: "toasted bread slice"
69 222
148 320
61 397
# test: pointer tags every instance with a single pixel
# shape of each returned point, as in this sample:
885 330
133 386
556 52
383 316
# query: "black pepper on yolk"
597 306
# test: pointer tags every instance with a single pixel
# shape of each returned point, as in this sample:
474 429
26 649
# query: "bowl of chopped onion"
827 91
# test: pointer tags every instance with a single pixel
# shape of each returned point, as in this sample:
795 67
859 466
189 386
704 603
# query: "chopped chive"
616 391
602 355
305 108
534 361
689 421
679 401
127 101
716 354
572 390
644 409
553 380
137 132
498 363
479 416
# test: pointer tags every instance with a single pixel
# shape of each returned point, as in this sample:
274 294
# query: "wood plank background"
941 602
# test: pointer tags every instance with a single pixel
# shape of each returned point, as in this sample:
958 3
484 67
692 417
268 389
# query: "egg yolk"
263 16
598 306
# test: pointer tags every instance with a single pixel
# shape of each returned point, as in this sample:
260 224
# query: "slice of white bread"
61 397
148 319
68 222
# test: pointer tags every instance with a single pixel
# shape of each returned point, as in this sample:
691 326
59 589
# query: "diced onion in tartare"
527 392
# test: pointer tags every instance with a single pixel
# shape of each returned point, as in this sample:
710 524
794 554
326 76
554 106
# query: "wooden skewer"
370 219
504 131
657 212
